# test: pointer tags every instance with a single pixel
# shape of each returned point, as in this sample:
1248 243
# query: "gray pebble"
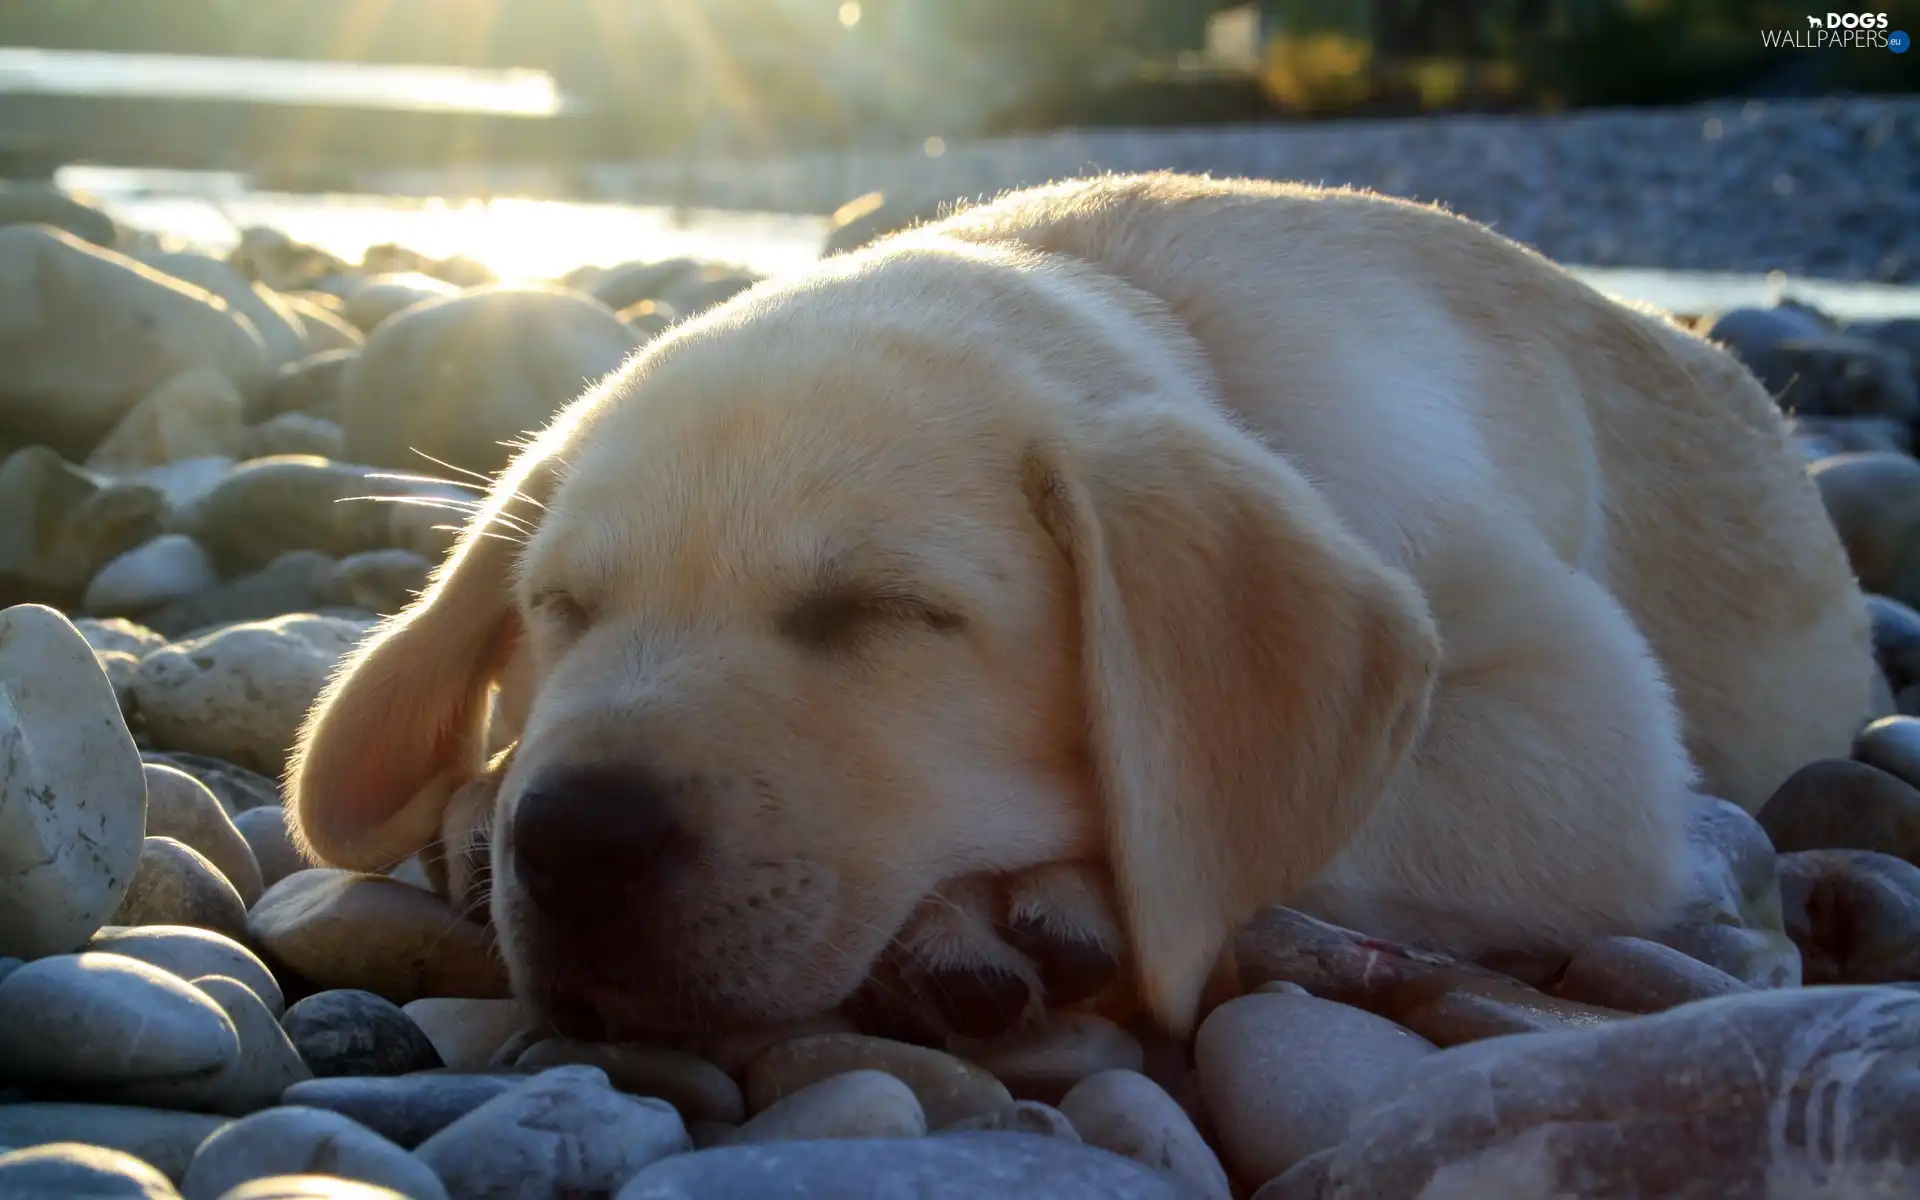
268 1064
349 1032
70 1169
280 1141
404 1109
191 953
857 1104
177 885
310 1187
564 1132
1131 1115
163 1138
100 1020
961 1166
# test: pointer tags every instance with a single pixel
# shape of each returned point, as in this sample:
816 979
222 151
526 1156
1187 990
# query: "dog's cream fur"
1257 542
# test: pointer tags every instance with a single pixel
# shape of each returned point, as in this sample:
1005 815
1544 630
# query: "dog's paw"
987 955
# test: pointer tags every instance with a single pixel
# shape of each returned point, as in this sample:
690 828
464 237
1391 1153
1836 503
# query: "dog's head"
936 564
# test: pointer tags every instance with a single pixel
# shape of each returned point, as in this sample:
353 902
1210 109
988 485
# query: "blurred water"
523 239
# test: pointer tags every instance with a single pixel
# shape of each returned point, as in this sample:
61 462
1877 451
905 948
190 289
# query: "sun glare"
850 13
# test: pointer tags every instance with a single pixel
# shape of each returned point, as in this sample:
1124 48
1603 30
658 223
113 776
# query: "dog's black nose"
584 838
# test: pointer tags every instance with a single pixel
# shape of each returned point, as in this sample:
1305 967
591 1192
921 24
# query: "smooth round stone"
176 885
1749 1090
84 1172
343 929
1131 1115
265 831
8 966
269 1063
190 953
1634 975
1044 1064
1873 499
1896 643
467 1033
564 1132
1893 745
1854 914
1285 945
310 1187
294 433
949 1089
118 633
290 1140
695 1087
72 799
1282 1075
240 693
238 789
1022 1116
1450 1010
1305 1180
961 1166
99 1020
732 1049
1733 919
858 1104
186 810
404 1109
349 1032
1837 804
157 1136
169 567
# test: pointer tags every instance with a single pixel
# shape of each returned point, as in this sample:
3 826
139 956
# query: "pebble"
1634 975
1733 920
310 1187
1836 804
1448 1010
186 810
290 583
104 1022
73 800
119 633
265 831
372 301
949 1089
161 1137
349 1032
170 567
467 1033
1855 915
27 202
279 329
404 1109
731 1050
343 929
69 299
1131 1115
695 1087
1044 1064
1022 1116
241 693
269 1063
1893 745
855 1104
290 1140
1791 1092
310 386
190 953
238 789
1281 1075
195 414
962 1166
381 581
563 1132
174 884
294 433
64 1169
1896 641
453 378
1873 500
1287 946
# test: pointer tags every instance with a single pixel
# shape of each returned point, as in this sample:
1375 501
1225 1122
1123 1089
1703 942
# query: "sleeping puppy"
1088 571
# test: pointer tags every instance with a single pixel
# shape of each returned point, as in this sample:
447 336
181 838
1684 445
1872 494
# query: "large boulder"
87 333
456 378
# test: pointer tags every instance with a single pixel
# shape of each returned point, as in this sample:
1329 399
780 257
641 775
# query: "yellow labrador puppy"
1235 542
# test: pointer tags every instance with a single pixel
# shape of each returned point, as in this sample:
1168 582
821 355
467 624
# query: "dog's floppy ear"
1254 674
403 723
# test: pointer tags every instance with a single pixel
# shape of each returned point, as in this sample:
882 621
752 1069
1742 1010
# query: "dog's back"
1509 390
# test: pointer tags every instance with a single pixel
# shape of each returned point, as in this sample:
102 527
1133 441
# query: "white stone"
169 567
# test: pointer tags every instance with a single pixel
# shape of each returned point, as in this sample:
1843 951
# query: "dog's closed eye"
563 609
839 615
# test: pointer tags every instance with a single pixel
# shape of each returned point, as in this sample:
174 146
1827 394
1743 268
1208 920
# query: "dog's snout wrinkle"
582 837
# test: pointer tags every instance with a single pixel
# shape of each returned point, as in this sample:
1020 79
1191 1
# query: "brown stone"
1450 1009
1638 976
1334 963
1854 914
949 1089
1836 804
